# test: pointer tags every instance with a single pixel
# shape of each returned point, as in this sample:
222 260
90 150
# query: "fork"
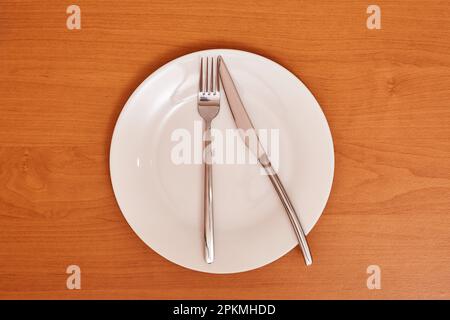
208 103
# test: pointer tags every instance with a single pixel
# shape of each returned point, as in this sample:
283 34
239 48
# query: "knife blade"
245 126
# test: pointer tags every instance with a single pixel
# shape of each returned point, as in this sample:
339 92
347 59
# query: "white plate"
162 201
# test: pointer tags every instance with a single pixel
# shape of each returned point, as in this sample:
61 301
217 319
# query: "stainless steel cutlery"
208 103
208 108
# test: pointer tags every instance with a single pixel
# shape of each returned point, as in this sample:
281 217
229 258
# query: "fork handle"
208 196
293 217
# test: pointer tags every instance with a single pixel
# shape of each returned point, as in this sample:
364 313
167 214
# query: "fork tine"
211 82
217 75
200 84
207 75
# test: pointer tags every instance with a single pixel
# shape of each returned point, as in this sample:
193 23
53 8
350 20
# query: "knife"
245 126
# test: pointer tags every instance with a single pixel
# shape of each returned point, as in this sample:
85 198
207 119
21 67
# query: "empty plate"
162 199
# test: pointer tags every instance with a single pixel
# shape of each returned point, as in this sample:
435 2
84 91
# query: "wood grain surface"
385 93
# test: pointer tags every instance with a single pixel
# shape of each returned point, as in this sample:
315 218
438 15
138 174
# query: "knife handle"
208 196
293 217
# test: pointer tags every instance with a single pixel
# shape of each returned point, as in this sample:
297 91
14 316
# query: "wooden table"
385 93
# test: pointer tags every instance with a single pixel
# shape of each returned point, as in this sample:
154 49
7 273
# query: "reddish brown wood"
386 94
